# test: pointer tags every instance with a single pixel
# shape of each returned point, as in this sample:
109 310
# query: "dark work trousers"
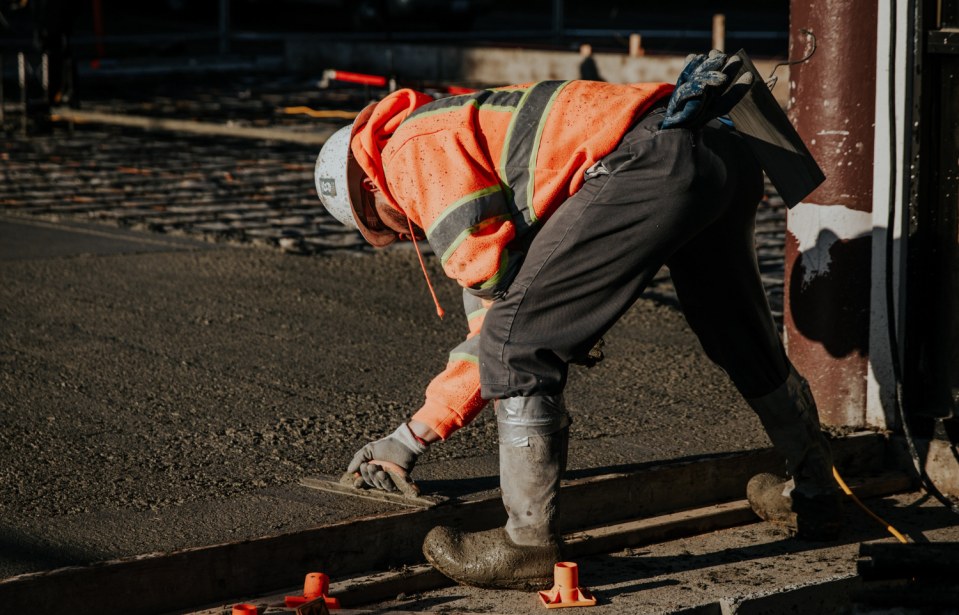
678 197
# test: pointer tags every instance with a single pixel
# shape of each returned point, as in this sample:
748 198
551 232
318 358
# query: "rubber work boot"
815 518
534 437
808 503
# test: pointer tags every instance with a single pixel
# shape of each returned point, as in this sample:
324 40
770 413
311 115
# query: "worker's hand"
705 90
400 447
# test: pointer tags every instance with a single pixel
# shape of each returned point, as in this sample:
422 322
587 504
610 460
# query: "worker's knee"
520 418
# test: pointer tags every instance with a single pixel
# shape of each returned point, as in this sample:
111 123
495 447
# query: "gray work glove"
400 447
705 90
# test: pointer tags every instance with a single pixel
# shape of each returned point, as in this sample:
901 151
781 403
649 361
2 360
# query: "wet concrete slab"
24 238
148 397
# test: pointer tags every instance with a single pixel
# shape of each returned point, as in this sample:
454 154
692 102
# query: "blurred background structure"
171 27
172 378
86 41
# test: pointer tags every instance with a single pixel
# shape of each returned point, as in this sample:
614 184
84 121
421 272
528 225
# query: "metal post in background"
22 82
719 32
932 309
2 116
829 238
45 76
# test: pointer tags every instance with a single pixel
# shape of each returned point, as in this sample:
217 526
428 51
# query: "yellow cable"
342 115
849 492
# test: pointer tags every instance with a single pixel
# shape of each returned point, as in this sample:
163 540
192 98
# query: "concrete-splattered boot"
808 502
533 436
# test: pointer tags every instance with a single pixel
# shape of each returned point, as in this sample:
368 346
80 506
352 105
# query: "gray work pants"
682 198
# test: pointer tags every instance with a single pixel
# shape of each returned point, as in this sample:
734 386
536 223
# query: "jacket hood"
370 138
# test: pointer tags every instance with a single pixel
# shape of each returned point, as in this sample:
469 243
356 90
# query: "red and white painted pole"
835 319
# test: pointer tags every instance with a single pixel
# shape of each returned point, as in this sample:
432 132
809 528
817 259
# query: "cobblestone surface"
222 190
238 191
258 101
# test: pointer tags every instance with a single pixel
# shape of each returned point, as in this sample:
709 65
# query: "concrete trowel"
351 483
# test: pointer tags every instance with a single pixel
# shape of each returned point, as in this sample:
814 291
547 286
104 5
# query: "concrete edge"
829 596
204 575
105 231
358 592
940 460
316 136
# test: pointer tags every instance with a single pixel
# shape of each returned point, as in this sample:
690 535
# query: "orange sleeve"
453 397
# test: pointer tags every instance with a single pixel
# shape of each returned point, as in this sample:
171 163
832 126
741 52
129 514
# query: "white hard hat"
339 180
330 177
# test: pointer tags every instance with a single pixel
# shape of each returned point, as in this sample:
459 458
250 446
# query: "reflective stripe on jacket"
479 173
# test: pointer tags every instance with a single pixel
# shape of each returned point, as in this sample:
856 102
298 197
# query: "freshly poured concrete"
158 393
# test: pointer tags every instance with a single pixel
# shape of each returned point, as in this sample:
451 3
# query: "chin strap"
416 246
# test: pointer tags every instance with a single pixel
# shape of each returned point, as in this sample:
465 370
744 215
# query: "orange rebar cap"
245 609
566 591
316 585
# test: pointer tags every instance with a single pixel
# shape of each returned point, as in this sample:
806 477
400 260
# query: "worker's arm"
453 397
452 400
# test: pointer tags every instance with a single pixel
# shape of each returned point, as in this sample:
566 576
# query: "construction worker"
553 205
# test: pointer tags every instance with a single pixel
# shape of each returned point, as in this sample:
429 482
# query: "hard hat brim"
368 221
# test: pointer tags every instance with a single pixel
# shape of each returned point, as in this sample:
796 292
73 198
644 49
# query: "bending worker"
553 205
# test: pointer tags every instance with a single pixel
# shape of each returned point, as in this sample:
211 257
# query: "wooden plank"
598 540
386 586
338 486
317 136
410 580
681 485
611 538
204 575
423 577
620 536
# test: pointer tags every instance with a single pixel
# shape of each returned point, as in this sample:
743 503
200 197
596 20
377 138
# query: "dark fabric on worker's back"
677 196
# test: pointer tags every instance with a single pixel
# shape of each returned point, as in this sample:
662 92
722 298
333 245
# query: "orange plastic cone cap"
317 584
245 609
566 591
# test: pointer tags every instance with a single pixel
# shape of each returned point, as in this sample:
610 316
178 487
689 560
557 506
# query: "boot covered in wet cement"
808 502
491 559
808 517
534 436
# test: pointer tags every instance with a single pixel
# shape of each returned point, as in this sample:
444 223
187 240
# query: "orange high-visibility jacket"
479 172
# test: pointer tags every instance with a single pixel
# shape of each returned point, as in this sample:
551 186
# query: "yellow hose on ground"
340 115
848 491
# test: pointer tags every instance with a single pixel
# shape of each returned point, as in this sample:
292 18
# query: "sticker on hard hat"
327 186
